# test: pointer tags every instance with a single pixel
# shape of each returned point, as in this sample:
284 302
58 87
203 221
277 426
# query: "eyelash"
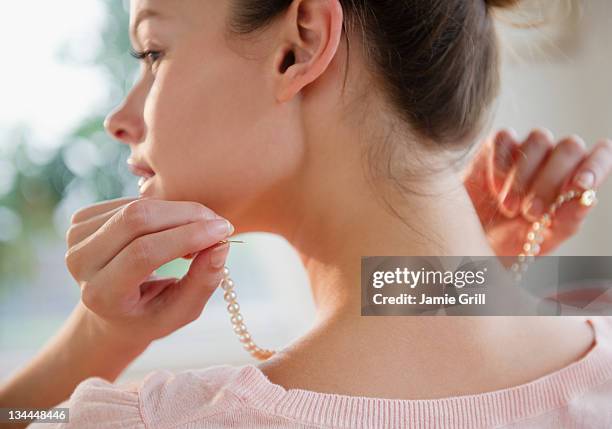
143 55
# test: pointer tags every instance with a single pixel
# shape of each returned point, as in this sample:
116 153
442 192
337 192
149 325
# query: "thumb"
196 287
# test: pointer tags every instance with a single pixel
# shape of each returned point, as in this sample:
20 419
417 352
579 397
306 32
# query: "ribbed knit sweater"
224 396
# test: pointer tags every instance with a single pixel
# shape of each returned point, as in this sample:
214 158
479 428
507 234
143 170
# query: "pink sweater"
576 396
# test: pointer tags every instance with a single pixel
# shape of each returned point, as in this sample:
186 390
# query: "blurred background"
67 65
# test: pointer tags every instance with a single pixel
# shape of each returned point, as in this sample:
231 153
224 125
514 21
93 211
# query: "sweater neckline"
492 408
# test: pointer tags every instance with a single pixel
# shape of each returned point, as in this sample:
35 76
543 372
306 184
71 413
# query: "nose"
125 124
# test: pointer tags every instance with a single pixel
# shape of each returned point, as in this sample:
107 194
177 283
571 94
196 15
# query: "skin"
512 173
280 151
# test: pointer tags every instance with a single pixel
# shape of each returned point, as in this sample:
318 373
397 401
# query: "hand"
115 246
511 184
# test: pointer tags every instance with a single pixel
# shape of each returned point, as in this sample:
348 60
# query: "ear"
310 36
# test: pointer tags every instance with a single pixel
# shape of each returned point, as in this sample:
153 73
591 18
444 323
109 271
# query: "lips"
139 168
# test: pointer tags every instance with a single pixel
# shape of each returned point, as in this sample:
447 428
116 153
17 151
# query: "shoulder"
162 399
170 399
603 329
96 402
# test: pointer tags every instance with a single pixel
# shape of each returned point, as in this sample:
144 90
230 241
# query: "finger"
505 145
118 281
537 148
98 208
185 302
500 165
131 221
79 231
501 158
530 155
596 167
549 180
594 170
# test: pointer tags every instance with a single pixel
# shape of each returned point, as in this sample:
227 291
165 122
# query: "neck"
348 224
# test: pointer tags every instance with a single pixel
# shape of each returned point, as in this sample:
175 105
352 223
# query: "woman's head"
243 103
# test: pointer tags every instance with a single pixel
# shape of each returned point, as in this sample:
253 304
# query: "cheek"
175 142
218 134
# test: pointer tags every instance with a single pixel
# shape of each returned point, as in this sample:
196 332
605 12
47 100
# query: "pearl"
229 296
227 284
588 198
237 320
240 329
535 236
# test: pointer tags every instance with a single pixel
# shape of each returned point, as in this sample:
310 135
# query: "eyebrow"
142 15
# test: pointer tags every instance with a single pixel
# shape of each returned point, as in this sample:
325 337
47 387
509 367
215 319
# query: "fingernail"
218 255
220 228
535 207
549 134
585 179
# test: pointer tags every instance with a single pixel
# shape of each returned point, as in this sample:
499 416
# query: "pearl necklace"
531 248
535 235
237 320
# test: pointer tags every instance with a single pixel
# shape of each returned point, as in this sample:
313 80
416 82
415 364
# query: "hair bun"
502 4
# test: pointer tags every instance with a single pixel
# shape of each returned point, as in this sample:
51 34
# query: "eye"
148 56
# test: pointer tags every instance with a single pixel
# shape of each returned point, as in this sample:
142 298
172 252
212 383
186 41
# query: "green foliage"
39 189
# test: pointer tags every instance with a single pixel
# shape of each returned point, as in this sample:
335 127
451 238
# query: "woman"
340 126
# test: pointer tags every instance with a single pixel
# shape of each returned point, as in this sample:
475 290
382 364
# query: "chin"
154 188
149 188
